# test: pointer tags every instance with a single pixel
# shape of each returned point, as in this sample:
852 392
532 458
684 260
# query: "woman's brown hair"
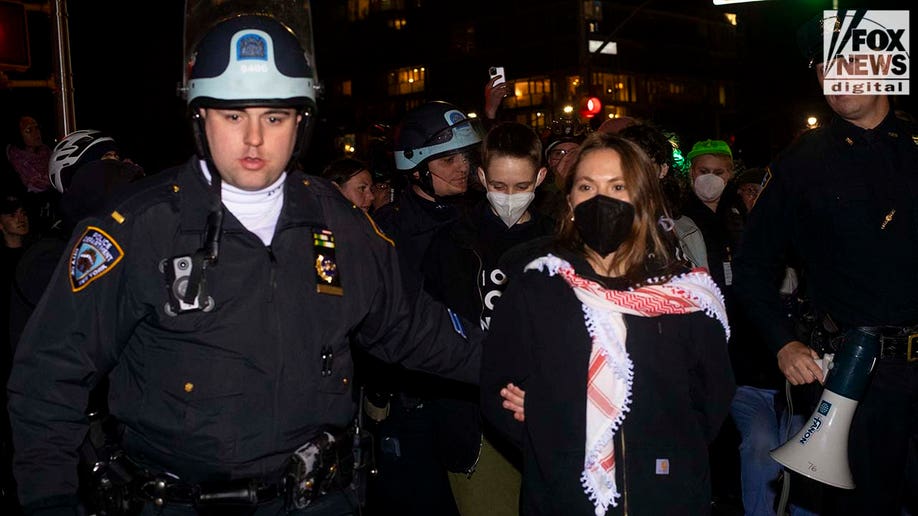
649 251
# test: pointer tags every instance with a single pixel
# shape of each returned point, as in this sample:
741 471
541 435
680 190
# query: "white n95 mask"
708 187
510 207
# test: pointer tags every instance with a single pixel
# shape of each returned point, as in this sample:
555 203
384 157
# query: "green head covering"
718 147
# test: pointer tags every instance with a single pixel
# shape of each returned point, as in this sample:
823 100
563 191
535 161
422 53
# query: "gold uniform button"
175 188
306 182
344 380
189 387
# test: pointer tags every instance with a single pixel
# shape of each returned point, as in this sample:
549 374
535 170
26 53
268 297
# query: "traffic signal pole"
66 116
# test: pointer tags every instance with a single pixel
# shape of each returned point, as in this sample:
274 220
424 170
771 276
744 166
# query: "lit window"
529 92
407 80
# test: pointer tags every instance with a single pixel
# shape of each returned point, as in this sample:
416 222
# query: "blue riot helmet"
430 131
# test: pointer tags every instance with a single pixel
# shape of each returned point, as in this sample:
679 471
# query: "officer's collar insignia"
94 254
848 140
915 138
251 46
328 278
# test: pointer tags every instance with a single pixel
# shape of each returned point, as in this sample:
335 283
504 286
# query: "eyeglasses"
556 154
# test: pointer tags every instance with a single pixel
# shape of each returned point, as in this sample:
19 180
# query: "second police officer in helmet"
220 299
436 148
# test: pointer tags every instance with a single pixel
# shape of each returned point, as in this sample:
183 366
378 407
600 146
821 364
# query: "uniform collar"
301 206
850 135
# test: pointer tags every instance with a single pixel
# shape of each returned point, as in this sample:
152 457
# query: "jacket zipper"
272 281
479 280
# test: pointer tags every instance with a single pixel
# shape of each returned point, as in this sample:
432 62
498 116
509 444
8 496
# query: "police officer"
436 147
219 300
844 198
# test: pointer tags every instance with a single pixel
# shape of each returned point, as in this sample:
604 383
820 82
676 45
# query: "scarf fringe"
601 504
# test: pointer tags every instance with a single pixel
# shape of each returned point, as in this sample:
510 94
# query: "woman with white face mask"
467 267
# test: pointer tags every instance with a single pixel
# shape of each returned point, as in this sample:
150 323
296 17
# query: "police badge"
328 279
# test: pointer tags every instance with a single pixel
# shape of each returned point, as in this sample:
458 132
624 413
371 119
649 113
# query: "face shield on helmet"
75 150
432 131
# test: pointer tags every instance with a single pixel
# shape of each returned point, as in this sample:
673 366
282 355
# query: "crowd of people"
512 322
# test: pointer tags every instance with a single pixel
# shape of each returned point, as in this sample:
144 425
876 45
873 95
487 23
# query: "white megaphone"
820 449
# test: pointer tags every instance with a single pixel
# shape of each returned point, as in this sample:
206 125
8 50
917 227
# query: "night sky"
127 65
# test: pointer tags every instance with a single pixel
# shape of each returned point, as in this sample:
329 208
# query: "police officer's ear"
482 177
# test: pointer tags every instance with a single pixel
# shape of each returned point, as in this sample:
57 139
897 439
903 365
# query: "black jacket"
464 270
681 393
826 202
223 394
463 266
412 222
753 363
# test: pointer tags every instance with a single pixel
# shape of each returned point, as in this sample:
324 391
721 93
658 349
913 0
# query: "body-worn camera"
177 271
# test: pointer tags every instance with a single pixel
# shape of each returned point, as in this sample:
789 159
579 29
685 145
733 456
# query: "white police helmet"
75 150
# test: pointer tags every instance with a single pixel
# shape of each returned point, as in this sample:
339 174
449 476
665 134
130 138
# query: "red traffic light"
591 107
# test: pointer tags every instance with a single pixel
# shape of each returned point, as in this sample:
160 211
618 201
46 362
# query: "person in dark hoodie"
86 168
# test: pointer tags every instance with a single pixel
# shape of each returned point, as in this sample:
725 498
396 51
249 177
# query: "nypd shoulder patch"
94 254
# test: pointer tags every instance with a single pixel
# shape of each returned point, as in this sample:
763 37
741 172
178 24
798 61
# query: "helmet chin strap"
209 253
424 181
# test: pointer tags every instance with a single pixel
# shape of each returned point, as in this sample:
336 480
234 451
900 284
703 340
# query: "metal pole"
584 51
66 115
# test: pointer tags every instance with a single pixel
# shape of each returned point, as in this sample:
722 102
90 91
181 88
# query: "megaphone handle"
852 364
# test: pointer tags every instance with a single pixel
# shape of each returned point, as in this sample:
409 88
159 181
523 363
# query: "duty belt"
236 492
896 342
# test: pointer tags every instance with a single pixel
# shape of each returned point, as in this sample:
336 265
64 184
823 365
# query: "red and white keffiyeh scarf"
610 370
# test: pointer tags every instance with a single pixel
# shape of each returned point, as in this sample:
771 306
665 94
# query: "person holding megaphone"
844 199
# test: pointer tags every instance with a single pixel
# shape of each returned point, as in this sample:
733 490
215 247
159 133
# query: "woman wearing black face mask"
620 349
